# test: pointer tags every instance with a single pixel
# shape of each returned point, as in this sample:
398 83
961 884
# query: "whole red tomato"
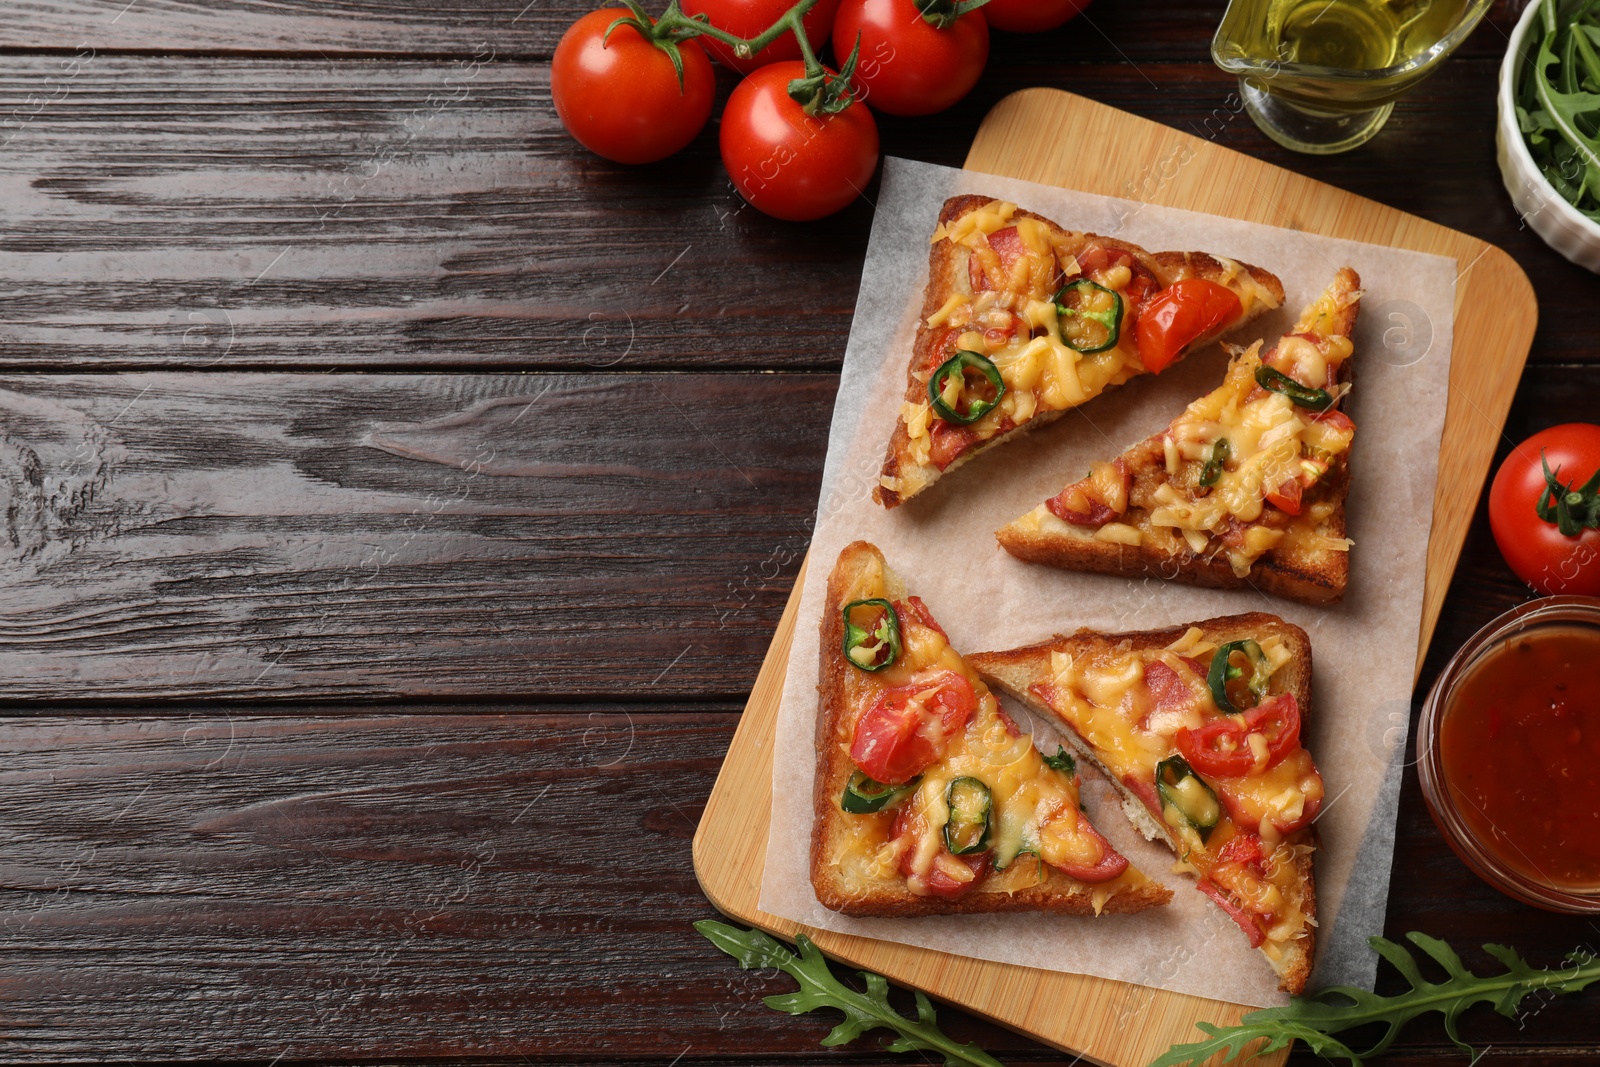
1030 16
787 163
909 66
1544 557
748 18
620 97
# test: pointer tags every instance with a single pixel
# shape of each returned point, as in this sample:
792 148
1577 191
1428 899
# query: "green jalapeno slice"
1228 680
967 828
864 796
1186 800
876 646
1274 380
957 367
1090 315
1221 452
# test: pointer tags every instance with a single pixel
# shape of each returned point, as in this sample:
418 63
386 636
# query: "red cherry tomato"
1110 864
1220 749
1030 16
908 66
1245 805
1286 498
906 728
1537 550
620 97
1178 315
936 882
748 18
787 163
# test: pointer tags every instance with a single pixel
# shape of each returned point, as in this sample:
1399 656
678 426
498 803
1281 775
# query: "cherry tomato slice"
1220 748
1178 315
1246 808
936 882
1286 498
1245 851
1110 864
907 727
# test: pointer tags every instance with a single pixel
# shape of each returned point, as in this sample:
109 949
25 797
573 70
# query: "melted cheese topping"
1035 808
1101 693
1015 323
1269 439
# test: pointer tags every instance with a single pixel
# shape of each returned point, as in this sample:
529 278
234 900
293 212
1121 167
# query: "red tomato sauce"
1520 748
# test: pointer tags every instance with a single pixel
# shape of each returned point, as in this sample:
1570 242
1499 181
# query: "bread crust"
835 727
1311 579
1014 670
947 264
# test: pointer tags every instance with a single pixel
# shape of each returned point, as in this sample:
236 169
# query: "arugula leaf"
1558 100
1062 761
1316 1018
820 989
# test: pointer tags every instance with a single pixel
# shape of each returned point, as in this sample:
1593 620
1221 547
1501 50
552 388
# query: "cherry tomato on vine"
908 65
1550 560
787 163
620 98
1030 16
748 18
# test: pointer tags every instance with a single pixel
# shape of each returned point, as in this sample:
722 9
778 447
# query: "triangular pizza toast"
1229 788
929 799
1023 321
1246 487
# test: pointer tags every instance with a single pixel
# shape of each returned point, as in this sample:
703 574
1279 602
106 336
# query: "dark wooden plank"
251 213
246 535
216 885
1136 33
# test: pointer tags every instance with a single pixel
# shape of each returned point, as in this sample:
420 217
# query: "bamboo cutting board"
1098 149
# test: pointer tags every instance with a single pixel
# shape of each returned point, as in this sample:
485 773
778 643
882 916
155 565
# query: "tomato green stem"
942 14
1571 510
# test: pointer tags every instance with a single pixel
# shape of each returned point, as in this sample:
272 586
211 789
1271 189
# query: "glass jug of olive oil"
1322 76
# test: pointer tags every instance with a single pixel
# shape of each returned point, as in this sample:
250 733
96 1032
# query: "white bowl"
1546 212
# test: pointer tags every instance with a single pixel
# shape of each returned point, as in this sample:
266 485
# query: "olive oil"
1352 35
1322 76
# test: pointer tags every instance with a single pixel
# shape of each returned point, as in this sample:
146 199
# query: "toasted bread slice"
993 272
1270 520
1125 722
895 861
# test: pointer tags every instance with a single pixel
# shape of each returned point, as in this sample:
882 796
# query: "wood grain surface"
263 804
238 535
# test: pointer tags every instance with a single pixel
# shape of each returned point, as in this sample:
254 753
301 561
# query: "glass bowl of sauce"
1508 753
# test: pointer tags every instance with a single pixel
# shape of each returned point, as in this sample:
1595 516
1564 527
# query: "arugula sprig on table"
819 988
1314 1019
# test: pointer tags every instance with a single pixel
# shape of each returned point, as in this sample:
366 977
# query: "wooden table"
399 500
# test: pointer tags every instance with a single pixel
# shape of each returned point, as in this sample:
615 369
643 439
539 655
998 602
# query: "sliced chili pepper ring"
876 645
957 366
1090 322
1224 673
1274 380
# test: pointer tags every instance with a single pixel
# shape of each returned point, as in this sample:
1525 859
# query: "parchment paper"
1364 648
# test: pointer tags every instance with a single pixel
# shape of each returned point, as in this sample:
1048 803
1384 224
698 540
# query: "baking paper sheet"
942 544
